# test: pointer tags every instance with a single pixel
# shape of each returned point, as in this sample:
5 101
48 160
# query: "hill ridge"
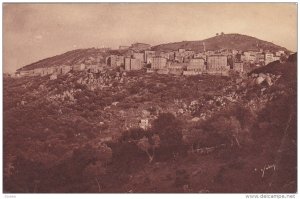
214 43
224 41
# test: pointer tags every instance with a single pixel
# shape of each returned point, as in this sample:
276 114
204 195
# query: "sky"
36 31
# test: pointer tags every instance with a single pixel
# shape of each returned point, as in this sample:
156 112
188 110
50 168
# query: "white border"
128 196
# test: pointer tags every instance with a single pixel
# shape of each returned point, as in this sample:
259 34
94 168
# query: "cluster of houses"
188 62
58 70
179 62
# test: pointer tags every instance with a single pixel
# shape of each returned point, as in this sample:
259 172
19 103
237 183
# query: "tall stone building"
132 64
139 56
159 63
196 65
149 54
216 62
269 58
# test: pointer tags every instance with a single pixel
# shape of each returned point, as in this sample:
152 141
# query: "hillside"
69 58
79 133
226 41
93 55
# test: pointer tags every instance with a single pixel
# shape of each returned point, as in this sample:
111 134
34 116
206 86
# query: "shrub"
169 130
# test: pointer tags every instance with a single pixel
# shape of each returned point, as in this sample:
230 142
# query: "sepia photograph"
149 98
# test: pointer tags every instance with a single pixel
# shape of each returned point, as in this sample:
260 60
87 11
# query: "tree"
105 153
26 176
170 132
145 145
230 127
235 129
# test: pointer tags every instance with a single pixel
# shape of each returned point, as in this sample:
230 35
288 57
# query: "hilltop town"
182 61
142 119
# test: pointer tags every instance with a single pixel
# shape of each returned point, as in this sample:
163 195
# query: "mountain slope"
226 41
68 58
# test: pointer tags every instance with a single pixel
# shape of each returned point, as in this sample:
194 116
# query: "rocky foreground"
81 132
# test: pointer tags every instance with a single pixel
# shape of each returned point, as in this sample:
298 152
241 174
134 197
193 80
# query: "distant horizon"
32 32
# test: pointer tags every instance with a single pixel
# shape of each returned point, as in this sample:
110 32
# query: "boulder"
195 119
238 81
53 77
243 85
194 102
254 75
145 113
251 82
259 80
180 111
269 80
115 103
262 75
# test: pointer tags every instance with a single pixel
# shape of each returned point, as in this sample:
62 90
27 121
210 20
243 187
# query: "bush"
169 130
182 178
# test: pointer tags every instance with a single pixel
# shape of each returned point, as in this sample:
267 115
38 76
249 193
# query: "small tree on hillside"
230 127
145 145
169 130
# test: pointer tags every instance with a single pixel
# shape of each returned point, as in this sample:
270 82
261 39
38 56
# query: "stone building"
78 67
199 55
250 56
269 58
38 71
179 58
136 64
164 55
127 63
189 53
26 73
120 61
64 69
159 63
171 56
132 64
216 62
196 65
139 56
181 50
175 68
149 54
279 53
94 68
276 58
260 58
115 60
238 67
